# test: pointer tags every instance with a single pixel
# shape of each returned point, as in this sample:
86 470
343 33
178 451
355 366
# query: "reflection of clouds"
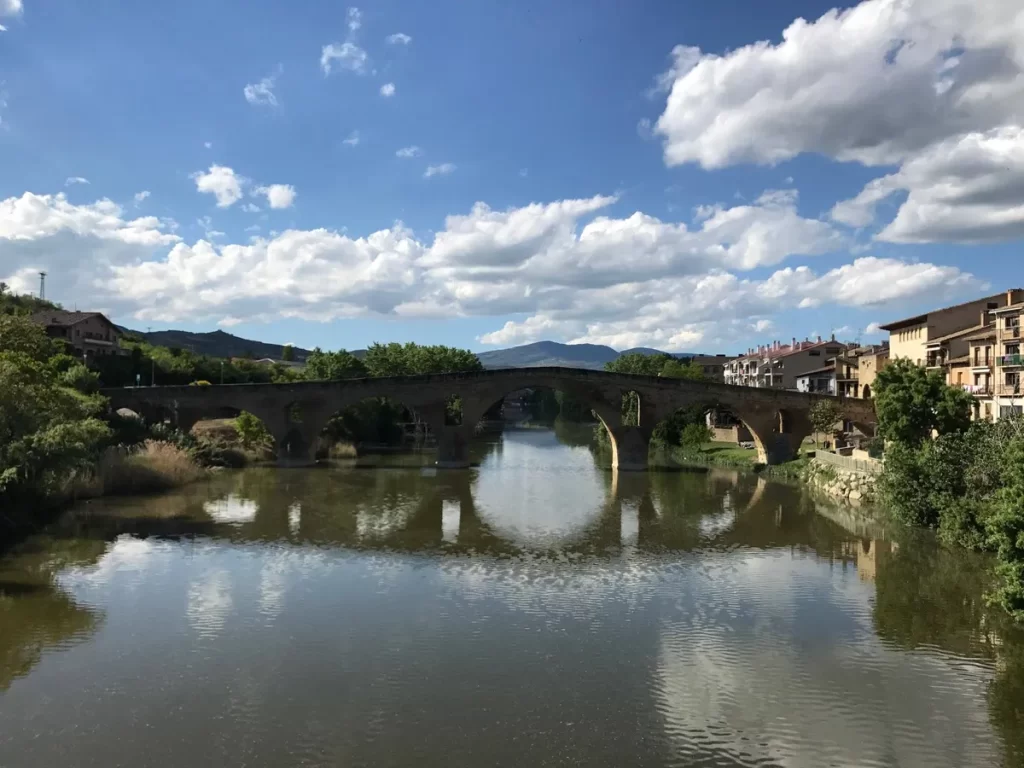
125 555
373 522
762 682
527 498
273 580
209 602
232 509
295 517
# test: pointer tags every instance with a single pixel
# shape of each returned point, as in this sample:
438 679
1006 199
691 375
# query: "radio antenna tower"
42 285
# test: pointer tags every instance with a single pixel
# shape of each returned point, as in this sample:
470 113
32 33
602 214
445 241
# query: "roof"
918 319
1018 307
961 332
826 369
787 349
988 334
65 318
959 360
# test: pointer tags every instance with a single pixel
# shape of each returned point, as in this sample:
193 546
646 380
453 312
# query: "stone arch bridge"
295 413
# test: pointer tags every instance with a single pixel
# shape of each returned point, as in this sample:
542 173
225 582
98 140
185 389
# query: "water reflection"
534 610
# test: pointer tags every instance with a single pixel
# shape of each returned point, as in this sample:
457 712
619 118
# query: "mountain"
546 353
217 344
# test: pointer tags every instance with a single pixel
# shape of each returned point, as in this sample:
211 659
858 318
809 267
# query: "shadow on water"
926 598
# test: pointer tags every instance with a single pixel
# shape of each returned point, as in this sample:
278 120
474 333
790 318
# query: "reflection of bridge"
296 413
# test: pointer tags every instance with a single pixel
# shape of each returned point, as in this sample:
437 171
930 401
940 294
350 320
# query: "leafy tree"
1006 532
674 369
694 436
410 359
21 335
911 402
639 364
251 431
824 415
288 353
81 378
333 366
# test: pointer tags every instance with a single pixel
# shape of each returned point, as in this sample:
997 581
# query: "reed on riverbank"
152 466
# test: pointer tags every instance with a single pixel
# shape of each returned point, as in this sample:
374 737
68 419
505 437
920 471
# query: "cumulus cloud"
387 90
278 195
11 7
221 182
261 93
141 196
567 269
354 19
967 189
72 180
439 170
933 86
399 38
407 152
873 329
352 140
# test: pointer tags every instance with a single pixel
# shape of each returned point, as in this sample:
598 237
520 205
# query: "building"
910 338
90 334
1008 392
870 360
712 365
976 373
778 365
820 381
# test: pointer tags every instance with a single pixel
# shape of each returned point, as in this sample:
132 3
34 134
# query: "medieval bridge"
295 413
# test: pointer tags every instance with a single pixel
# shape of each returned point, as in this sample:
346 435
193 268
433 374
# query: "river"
532 611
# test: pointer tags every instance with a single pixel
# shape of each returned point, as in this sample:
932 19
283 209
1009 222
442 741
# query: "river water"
533 611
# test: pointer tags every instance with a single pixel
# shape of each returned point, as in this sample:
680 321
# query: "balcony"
977 389
982 362
1012 332
1010 361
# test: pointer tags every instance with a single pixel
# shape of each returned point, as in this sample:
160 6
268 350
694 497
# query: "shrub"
154 466
694 436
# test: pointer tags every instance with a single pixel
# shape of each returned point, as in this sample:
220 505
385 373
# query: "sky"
681 175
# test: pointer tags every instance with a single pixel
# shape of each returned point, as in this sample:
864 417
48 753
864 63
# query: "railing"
982 361
1013 331
848 463
1011 360
977 389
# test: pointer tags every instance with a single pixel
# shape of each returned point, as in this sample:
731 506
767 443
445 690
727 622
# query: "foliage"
1006 532
411 359
824 415
675 369
252 432
694 436
911 403
153 466
18 334
639 364
333 366
288 353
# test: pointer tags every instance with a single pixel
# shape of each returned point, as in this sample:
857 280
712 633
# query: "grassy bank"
730 455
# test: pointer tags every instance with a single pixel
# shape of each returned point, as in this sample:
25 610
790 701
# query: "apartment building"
910 338
87 333
1008 392
712 365
778 365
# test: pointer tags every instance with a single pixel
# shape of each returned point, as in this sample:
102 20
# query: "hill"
544 353
217 344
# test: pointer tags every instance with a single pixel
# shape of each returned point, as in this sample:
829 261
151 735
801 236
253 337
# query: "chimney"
833 337
794 342
984 313
819 339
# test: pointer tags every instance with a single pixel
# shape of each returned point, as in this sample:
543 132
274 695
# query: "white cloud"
71 180
222 182
262 93
967 189
208 144
352 140
387 90
873 329
873 83
11 7
140 196
439 170
250 208
354 19
932 86
524 172
407 152
566 269
3 28
348 56
399 38
278 195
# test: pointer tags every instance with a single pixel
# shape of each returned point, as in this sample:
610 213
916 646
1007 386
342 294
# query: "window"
815 353
1010 410
993 305
1013 379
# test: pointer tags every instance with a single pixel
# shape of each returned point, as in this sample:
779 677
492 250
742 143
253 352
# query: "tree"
288 353
251 431
824 415
333 365
694 436
675 369
410 359
1006 533
639 364
912 403
20 334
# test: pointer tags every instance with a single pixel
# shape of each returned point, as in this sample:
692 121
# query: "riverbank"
732 456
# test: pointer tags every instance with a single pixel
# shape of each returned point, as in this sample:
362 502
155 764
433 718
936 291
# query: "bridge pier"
630 446
453 446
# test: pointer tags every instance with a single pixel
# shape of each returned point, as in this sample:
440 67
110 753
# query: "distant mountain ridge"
541 353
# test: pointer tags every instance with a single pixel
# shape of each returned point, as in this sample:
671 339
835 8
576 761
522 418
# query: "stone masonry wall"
855 487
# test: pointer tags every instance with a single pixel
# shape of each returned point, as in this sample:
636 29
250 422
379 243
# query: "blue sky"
687 176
